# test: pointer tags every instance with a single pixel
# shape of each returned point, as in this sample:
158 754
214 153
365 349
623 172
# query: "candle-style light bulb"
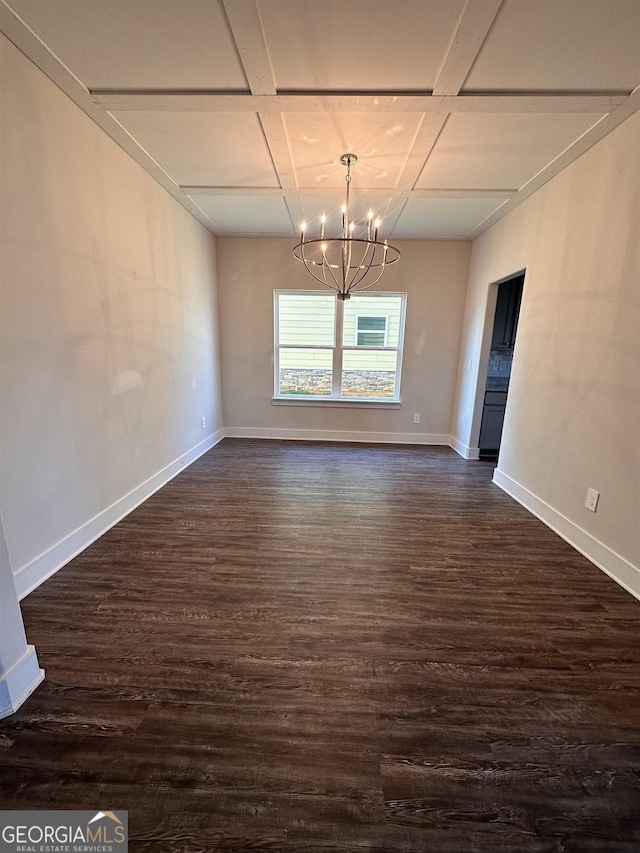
323 219
351 227
303 228
370 218
376 226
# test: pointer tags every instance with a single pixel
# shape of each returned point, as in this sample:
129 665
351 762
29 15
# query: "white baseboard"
621 570
30 576
464 450
472 453
19 682
337 435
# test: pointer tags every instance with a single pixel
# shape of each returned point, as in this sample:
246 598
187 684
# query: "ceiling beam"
248 33
275 134
276 139
473 27
246 29
423 144
377 192
390 220
474 23
502 102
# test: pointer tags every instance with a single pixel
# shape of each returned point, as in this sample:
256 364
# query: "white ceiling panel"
444 217
239 214
561 45
498 151
348 45
380 141
139 44
219 149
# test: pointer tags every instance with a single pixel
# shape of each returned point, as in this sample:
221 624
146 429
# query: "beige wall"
573 412
434 275
108 335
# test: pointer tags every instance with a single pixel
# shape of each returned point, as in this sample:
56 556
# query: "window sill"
328 402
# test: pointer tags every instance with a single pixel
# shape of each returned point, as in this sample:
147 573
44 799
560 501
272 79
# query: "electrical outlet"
203 422
592 500
416 418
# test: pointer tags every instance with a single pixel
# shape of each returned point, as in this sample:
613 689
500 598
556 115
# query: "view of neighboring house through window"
371 331
331 349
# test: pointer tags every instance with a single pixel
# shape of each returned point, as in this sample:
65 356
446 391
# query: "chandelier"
348 262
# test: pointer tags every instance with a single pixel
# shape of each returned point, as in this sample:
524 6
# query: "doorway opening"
503 339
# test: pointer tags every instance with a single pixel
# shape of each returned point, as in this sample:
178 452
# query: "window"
330 349
371 331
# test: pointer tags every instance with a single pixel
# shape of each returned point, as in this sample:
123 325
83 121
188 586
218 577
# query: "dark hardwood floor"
313 647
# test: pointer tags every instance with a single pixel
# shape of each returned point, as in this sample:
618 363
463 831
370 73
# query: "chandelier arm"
325 267
375 281
382 267
371 284
363 268
370 246
358 278
362 264
311 271
345 262
348 267
317 278
355 284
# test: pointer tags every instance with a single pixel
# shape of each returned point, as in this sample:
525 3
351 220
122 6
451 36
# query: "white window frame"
358 331
338 348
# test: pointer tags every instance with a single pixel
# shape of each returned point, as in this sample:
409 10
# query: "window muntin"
309 360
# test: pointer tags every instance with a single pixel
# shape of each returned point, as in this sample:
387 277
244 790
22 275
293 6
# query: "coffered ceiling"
456 109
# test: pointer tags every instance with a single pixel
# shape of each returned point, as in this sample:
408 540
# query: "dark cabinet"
507 313
492 421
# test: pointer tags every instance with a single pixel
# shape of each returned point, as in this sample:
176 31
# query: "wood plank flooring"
315 648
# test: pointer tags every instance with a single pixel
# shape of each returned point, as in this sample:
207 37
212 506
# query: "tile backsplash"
500 363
